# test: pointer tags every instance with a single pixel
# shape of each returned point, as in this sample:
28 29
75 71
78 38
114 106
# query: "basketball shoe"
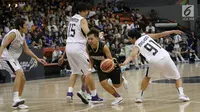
117 101
96 99
17 102
184 98
139 99
69 97
83 97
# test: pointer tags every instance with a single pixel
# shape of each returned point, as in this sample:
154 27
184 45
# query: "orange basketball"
107 65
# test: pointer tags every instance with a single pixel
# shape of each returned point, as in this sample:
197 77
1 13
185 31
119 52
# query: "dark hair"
134 33
93 31
81 6
19 22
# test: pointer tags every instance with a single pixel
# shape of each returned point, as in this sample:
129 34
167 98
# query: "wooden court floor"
48 95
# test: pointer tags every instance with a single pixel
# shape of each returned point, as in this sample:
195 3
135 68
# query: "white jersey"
74 31
150 49
15 48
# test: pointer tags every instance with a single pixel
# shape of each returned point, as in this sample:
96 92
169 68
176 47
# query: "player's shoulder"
12 32
77 16
141 38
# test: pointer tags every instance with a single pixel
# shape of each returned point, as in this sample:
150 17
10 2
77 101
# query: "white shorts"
11 66
164 66
78 58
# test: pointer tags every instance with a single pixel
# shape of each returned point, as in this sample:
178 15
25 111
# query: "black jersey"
97 54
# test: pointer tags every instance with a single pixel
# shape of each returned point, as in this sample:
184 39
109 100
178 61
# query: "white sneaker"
88 96
125 83
139 100
23 106
117 101
69 99
184 98
82 96
17 102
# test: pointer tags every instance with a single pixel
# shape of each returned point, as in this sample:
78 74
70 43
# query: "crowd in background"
47 24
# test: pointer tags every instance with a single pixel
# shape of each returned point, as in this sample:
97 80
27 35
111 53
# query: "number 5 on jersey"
71 30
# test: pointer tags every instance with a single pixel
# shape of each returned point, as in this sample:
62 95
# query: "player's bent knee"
19 73
116 85
104 82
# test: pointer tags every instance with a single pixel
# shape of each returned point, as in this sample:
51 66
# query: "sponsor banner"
32 69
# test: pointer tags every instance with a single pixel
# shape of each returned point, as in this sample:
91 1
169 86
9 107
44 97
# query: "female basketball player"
97 52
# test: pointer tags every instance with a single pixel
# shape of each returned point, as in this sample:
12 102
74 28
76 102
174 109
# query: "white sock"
15 96
70 89
141 93
94 92
180 90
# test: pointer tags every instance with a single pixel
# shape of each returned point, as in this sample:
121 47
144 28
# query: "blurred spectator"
36 41
7 27
184 50
28 39
57 53
150 28
125 25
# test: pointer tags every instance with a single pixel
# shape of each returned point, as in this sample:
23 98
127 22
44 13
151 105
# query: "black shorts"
114 75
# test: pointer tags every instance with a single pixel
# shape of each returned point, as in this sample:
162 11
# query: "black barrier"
33 70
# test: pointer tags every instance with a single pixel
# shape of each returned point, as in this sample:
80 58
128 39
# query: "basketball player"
11 48
76 54
97 52
157 57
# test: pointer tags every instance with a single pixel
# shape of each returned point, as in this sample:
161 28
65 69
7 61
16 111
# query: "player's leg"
91 85
145 83
85 88
71 56
172 72
15 69
16 89
82 92
117 78
23 81
112 91
84 65
103 78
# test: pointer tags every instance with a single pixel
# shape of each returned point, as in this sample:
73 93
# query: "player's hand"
60 61
42 61
178 32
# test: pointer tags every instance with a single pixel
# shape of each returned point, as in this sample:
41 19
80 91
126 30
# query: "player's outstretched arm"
30 53
164 34
10 38
133 54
